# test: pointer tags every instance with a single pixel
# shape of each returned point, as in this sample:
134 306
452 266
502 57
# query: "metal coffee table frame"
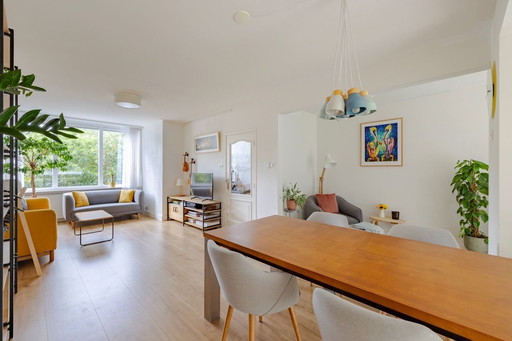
92 216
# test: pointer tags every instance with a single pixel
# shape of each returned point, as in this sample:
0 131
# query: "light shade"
126 100
180 182
336 105
329 161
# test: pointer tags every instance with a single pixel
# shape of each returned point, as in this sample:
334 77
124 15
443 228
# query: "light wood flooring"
145 285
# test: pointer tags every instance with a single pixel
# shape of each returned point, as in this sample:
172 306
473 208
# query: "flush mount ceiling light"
241 16
126 100
354 102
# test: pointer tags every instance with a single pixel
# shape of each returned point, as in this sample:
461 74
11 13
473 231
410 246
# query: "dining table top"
462 292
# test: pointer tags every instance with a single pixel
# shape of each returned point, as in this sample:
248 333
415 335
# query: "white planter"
382 213
475 244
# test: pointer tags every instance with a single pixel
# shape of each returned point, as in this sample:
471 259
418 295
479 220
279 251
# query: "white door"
241 177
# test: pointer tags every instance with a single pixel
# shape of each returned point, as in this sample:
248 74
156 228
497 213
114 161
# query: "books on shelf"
199 223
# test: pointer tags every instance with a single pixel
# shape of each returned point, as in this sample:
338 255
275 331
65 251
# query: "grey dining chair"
430 235
340 320
252 290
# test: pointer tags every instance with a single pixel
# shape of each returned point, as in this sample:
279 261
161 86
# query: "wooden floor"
145 285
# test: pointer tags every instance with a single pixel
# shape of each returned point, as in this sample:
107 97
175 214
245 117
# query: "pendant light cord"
349 27
338 56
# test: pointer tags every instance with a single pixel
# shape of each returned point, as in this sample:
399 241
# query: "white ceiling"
189 58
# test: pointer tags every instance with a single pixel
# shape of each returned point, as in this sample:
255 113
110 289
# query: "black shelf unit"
8 188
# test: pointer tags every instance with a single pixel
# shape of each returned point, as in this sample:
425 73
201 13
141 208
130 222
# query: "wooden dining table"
461 294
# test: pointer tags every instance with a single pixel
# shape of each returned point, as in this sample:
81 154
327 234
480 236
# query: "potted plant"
292 195
471 187
39 155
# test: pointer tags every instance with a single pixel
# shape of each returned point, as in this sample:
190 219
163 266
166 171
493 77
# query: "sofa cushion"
327 202
103 196
126 195
80 199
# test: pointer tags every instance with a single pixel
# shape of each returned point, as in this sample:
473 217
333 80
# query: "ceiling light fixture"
241 16
126 100
354 102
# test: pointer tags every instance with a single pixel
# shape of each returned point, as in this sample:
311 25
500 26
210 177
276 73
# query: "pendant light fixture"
354 102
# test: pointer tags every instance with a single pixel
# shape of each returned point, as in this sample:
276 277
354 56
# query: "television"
201 185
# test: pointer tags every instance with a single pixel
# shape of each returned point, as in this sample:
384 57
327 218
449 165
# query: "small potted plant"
292 195
471 187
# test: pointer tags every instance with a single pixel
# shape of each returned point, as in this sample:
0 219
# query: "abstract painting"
382 143
207 143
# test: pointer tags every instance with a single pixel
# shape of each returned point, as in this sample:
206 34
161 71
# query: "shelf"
200 210
201 227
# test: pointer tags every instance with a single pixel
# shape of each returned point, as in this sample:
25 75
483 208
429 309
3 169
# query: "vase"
382 213
291 205
475 244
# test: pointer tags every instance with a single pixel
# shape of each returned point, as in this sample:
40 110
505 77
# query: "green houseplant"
471 187
293 196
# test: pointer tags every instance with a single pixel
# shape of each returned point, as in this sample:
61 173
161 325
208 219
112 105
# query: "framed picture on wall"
207 143
382 143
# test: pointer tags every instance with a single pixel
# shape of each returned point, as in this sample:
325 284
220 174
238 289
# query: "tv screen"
201 185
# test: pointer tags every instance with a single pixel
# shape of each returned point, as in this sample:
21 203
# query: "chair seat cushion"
327 202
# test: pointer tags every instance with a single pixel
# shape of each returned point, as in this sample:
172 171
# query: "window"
98 158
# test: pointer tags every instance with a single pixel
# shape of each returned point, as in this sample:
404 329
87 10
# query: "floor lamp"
180 183
329 163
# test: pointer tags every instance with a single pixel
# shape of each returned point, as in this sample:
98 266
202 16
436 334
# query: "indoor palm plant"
293 196
471 187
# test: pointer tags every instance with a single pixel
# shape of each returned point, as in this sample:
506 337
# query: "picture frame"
382 143
207 143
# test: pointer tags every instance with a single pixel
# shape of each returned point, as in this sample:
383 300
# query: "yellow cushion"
80 199
126 195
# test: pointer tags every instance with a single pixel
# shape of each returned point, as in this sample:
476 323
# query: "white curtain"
132 161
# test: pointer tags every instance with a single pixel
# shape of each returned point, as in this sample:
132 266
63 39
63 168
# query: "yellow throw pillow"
80 199
126 195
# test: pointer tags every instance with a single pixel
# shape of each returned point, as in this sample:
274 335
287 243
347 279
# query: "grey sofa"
107 200
354 214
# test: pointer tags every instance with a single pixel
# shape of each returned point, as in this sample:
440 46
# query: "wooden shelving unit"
196 212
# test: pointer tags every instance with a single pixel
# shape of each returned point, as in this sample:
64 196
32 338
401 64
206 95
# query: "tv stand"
200 213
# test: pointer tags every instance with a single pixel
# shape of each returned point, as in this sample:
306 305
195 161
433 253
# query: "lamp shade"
370 105
336 105
180 182
355 105
329 161
126 100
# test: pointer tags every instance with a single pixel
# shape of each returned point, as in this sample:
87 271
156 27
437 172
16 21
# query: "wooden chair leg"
226 324
72 223
52 255
138 215
294 323
251 327
261 318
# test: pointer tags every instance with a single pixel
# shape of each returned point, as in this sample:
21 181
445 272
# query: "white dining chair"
430 235
340 320
252 290
329 218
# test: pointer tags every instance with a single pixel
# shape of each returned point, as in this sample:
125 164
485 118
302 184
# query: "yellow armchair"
42 224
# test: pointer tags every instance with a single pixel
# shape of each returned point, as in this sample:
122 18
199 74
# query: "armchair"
42 223
353 213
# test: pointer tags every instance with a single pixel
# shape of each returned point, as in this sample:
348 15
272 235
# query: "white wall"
152 167
297 146
260 116
439 128
173 151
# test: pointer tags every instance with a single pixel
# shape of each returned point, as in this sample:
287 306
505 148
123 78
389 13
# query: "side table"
375 220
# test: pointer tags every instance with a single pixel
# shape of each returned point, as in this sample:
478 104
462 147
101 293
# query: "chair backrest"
248 288
329 218
424 234
340 320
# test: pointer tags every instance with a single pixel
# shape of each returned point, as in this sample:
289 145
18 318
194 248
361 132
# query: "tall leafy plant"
13 82
41 154
471 187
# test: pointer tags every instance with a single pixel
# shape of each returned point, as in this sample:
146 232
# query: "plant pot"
475 244
112 184
382 213
291 205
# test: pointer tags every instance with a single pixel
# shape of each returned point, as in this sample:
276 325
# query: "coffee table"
93 216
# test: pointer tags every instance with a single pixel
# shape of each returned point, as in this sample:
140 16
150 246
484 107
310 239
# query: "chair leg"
226 324
52 255
261 318
294 323
251 327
